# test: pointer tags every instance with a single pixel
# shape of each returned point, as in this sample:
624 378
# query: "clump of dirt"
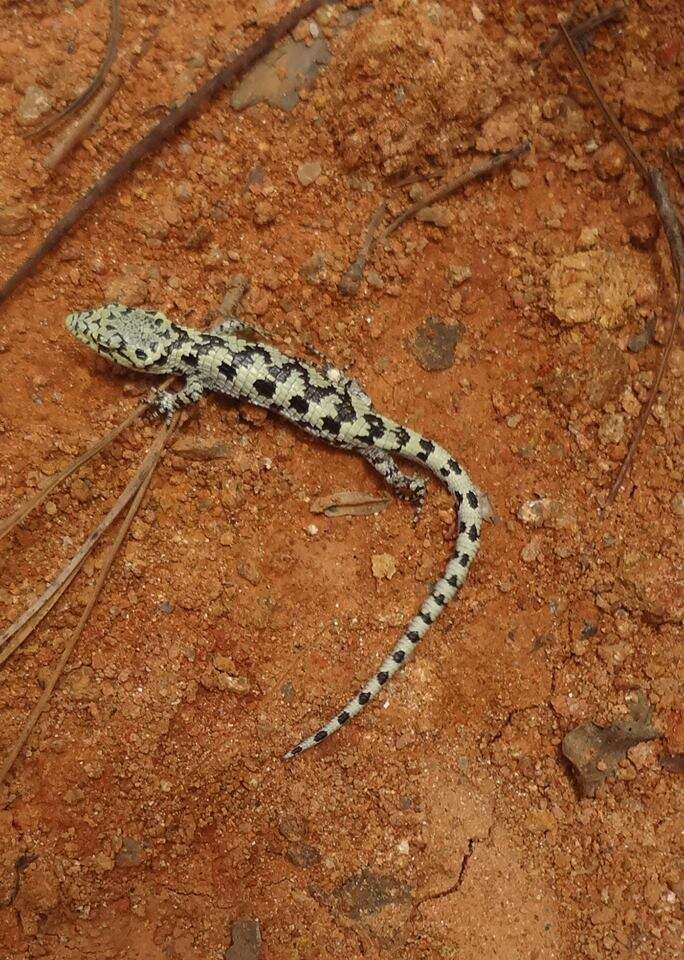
413 82
594 286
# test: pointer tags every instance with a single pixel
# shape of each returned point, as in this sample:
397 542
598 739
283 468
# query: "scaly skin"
321 401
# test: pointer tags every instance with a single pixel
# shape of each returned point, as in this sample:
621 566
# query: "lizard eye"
141 354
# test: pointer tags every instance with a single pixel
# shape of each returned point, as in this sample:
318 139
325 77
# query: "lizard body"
321 401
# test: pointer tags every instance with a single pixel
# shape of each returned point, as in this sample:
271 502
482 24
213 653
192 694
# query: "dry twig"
477 173
580 33
111 51
351 281
81 128
31 614
161 132
146 471
40 495
672 228
15 638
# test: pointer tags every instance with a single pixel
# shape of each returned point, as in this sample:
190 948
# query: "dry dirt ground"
150 815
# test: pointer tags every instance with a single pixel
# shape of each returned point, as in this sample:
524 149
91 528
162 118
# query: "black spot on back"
330 425
402 436
472 499
265 388
376 428
427 448
299 404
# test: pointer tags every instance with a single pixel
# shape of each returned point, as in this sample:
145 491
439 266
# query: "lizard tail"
469 520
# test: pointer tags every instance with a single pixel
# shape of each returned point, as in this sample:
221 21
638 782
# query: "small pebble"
609 161
519 179
612 429
15 219
458 274
640 340
588 238
437 215
307 173
34 104
383 565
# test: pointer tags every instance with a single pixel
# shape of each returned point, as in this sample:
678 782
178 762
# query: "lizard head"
135 338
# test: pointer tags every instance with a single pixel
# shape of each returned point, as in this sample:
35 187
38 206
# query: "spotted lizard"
320 399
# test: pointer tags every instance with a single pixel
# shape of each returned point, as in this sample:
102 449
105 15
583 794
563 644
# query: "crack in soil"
20 864
456 885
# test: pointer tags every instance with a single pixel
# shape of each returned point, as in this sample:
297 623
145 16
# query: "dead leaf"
201 450
348 503
596 752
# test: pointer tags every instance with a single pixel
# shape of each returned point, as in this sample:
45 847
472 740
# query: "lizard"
320 399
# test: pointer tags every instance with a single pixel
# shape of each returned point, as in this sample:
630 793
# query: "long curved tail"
409 444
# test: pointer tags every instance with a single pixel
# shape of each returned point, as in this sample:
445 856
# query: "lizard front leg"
164 403
232 327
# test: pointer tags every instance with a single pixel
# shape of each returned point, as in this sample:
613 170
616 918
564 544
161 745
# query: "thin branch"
40 495
648 406
672 228
672 222
111 51
73 565
477 173
601 103
350 282
30 625
146 471
161 132
580 33
81 128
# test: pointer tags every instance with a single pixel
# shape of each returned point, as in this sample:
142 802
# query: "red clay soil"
150 815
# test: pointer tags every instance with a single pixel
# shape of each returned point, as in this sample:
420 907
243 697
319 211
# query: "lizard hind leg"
405 485
339 377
